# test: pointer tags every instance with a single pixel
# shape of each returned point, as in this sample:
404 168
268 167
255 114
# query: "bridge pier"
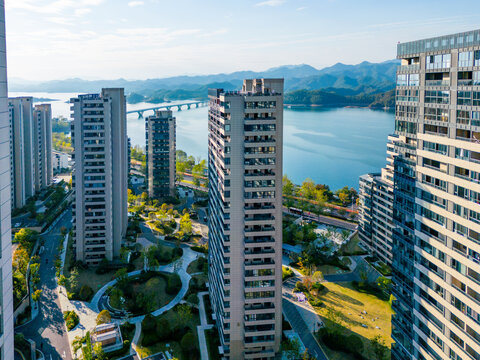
179 107
140 114
196 105
188 106
169 107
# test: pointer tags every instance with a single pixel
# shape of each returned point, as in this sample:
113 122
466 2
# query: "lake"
331 146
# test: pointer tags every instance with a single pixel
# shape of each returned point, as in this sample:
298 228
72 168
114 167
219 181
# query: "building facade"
160 154
22 149
436 237
376 208
6 290
100 178
60 161
42 145
245 217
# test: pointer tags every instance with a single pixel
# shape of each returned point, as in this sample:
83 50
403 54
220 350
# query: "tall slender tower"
100 180
160 150
6 291
42 139
245 217
436 212
23 146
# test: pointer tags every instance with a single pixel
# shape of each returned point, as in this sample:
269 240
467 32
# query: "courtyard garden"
175 332
144 293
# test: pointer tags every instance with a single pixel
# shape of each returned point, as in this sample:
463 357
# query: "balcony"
410 67
437 82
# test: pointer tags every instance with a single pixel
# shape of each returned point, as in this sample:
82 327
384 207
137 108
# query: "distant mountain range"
345 81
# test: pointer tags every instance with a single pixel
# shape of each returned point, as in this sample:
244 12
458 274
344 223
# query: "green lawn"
196 266
350 304
144 295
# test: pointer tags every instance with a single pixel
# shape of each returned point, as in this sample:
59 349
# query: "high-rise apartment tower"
245 217
42 140
100 179
436 238
376 208
22 148
160 151
6 291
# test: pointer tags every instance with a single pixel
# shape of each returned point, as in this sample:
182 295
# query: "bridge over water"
179 107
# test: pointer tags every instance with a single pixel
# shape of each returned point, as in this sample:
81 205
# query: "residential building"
245 217
100 179
160 154
22 148
42 140
6 290
436 235
376 208
60 161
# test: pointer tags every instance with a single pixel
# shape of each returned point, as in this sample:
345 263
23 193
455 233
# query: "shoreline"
337 106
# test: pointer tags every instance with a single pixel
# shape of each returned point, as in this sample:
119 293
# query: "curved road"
48 328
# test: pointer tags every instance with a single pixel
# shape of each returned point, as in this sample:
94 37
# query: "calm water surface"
331 146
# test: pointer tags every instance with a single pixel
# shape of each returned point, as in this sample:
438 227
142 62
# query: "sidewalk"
202 327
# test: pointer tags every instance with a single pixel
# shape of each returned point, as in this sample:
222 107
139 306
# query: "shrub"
174 285
286 273
163 329
318 286
299 287
104 317
149 338
192 299
86 293
188 342
149 324
71 319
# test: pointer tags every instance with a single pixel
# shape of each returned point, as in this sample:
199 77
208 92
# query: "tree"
73 280
308 189
379 349
104 317
163 329
384 283
317 276
36 295
288 185
291 349
184 314
99 353
343 197
186 224
122 278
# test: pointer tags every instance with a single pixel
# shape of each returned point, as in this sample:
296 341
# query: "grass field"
350 304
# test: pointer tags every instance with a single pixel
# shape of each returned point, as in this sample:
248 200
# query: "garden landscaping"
144 293
354 320
173 331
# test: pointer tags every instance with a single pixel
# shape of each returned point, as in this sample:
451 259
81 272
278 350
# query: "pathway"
298 324
202 327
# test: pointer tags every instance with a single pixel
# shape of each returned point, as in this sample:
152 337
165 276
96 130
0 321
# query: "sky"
140 39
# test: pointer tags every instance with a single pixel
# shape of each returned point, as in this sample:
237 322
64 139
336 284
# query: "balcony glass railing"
408 67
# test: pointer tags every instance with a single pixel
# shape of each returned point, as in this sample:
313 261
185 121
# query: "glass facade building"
436 212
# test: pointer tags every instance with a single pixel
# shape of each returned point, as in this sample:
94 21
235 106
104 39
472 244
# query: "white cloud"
271 3
301 8
55 7
135 3
81 12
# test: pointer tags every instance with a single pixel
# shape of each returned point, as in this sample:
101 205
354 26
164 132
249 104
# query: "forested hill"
333 99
